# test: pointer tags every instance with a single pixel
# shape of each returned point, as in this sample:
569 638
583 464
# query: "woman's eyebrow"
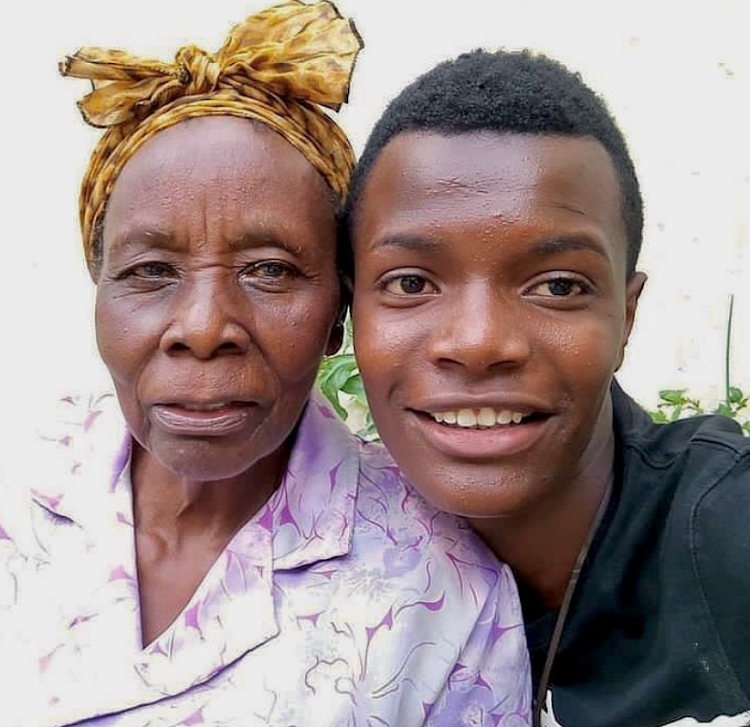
151 237
146 236
264 238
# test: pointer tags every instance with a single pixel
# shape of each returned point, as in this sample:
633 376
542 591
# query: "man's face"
491 309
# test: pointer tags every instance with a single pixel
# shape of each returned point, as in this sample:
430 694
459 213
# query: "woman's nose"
209 320
481 330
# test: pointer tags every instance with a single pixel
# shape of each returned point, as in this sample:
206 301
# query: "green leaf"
674 397
725 410
337 371
333 396
355 387
369 431
735 395
334 372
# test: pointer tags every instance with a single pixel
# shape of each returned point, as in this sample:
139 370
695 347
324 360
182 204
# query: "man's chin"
467 495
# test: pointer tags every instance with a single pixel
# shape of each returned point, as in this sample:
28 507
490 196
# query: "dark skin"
491 290
217 296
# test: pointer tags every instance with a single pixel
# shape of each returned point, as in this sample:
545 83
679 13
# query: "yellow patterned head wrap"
279 66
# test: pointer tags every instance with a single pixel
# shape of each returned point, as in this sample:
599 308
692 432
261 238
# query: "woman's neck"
183 525
179 507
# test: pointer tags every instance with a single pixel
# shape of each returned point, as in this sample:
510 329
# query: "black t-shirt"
659 626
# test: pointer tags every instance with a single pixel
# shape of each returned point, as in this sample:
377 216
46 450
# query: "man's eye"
408 285
560 288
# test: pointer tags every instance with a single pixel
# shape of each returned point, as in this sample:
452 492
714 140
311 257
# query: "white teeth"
466 418
473 418
486 417
504 417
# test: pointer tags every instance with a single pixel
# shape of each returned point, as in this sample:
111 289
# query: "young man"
496 221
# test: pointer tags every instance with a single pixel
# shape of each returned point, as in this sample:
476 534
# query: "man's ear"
633 291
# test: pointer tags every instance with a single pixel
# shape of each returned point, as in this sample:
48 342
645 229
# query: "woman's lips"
202 420
481 443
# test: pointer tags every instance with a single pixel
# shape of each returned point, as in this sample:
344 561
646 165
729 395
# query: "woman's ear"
337 331
336 338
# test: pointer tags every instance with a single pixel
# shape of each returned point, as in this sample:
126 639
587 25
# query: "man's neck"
542 544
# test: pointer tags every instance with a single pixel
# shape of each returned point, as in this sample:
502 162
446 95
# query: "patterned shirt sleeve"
489 684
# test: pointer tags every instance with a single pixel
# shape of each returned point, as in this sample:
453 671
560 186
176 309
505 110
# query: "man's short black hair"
508 92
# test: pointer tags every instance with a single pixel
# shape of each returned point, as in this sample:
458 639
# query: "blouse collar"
309 517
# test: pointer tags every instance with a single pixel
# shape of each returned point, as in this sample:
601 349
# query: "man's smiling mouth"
484 418
483 430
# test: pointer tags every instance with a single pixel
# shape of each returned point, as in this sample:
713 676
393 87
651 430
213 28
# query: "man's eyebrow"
408 242
565 243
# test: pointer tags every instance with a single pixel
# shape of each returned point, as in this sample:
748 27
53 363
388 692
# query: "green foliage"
340 382
676 404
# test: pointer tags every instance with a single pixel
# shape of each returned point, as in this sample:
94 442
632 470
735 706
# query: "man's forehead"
494 174
486 157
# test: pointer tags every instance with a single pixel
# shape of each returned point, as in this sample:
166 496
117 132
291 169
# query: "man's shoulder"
697 452
697 472
708 439
720 545
699 468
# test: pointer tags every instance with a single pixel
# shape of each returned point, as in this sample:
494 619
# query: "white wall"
677 75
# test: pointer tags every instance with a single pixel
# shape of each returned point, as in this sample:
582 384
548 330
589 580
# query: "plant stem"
727 351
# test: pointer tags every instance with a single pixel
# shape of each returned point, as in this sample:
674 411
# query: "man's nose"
481 330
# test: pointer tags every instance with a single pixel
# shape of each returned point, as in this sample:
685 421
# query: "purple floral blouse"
347 600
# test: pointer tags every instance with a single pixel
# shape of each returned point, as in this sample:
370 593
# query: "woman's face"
218 293
490 311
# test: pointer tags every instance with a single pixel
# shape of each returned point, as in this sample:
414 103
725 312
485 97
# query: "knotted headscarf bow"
279 66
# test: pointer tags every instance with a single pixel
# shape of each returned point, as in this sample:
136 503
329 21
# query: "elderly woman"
213 547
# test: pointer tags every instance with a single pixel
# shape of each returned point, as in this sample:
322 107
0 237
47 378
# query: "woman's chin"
203 460
200 470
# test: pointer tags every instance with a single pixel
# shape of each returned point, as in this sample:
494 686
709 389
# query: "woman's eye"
408 285
152 271
269 271
560 288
